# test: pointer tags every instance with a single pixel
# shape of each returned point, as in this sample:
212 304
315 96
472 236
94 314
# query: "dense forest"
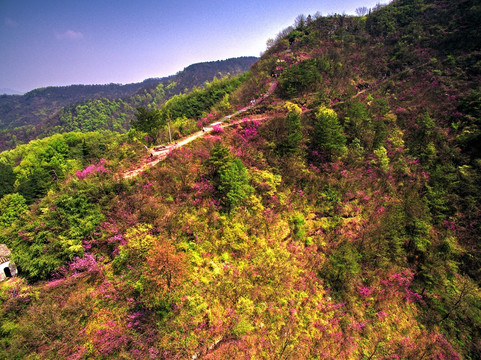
338 218
51 110
38 104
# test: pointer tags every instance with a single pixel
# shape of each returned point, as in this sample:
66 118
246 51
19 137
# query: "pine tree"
292 141
328 135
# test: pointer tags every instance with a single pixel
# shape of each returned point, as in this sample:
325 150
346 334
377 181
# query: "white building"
7 268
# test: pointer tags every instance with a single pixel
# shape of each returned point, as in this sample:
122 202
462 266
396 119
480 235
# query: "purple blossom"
79 354
109 339
153 352
249 132
147 186
133 320
55 283
413 296
380 210
381 315
357 326
202 122
92 169
217 129
365 291
202 186
449 224
85 264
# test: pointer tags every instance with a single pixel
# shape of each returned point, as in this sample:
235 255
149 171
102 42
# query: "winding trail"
159 153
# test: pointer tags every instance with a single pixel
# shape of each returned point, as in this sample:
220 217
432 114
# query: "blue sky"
64 42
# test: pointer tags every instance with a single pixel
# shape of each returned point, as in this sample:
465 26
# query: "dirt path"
159 153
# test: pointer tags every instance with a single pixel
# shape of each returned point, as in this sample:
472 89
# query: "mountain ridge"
40 113
110 91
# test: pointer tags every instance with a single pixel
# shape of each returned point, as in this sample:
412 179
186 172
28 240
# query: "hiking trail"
160 152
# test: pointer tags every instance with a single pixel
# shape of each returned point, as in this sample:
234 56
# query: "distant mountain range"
7 91
39 104
37 113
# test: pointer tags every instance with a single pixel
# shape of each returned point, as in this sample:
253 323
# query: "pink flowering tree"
97 168
217 129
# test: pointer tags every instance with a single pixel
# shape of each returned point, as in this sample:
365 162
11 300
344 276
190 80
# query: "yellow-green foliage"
383 159
291 107
139 242
265 182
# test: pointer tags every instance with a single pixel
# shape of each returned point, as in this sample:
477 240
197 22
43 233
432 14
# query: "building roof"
4 251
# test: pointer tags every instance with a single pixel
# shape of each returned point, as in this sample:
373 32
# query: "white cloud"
10 23
70 35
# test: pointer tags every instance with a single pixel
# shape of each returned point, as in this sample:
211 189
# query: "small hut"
7 267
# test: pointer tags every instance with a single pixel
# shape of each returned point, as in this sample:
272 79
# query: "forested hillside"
51 110
38 104
338 218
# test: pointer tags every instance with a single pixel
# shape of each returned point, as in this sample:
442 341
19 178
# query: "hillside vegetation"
51 110
338 219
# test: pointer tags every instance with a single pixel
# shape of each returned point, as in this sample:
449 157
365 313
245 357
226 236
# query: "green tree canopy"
7 179
328 135
11 207
229 176
291 143
148 121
